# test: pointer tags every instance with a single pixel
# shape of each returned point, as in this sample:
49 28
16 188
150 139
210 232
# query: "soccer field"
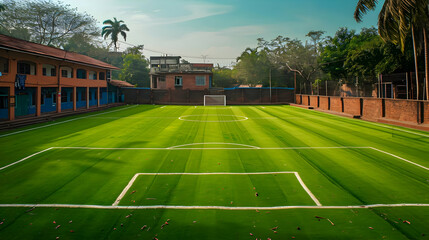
229 172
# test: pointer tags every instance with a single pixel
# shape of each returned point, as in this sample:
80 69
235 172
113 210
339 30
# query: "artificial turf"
91 158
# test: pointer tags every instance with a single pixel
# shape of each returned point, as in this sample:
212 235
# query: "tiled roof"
119 83
11 43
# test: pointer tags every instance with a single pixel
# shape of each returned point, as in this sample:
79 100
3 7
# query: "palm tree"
396 20
113 29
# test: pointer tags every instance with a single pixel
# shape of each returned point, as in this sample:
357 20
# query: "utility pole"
270 85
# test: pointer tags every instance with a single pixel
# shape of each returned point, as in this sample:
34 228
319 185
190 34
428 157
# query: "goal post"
214 100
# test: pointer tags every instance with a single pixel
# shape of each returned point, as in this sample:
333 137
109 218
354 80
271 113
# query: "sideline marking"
32 155
70 120
134 178
243 118
210 207
403 159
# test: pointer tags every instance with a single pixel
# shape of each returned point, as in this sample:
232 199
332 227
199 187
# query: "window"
101 76
92 75
81 73
83 96
64 96
178 81
200 80
26 68
3 102
49 70
108 75
33 99
67 72
90 96
4 65
42 99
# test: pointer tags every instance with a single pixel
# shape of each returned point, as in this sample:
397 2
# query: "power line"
197 57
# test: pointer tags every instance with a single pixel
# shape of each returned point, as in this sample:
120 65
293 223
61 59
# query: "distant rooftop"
19 45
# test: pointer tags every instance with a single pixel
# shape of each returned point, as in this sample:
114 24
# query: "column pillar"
87 97
74 98
98 96
58 99
38 101
12 102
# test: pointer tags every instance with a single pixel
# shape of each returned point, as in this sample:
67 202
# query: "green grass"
237 139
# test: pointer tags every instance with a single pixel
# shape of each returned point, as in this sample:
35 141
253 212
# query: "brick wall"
314 101
426 113
401 110
324 103
352 106
372 108
298 99
305 99
336 105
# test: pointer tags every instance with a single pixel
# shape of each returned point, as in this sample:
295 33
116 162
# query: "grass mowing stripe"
372 123
66 121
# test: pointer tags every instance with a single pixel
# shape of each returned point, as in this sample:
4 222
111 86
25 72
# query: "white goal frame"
215 96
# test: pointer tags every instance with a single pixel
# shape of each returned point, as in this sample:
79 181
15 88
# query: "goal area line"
301 182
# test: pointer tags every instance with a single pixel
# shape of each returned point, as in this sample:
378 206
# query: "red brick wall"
352 106
324 102
336 105
314 101
305 100
401 110
372 108
426 112
298 99
188 81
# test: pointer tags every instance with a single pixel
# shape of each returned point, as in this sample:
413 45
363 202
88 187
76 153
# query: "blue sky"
220 30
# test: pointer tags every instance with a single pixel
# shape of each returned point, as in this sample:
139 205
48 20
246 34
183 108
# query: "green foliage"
45 22
135 70
253 67
224 77
113 29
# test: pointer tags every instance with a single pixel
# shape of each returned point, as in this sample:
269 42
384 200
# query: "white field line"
249 147
66 121
243 118
307 190
125 190
119 198
32 155
209 207
163 107
213 143
400 158
376 124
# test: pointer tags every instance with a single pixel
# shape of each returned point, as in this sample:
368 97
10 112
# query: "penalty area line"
209 207
400 158
26 158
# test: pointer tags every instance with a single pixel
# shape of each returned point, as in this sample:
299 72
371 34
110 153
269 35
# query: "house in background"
37 79
115 90
166 72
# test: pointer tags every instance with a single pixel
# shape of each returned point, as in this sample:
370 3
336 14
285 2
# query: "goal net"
214 100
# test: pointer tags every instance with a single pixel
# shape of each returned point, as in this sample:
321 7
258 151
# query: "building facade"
167 72
37 79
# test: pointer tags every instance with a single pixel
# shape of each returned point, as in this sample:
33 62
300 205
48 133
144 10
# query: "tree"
294 56
45 22
224 77
135 70
253 67
398 19
113 29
